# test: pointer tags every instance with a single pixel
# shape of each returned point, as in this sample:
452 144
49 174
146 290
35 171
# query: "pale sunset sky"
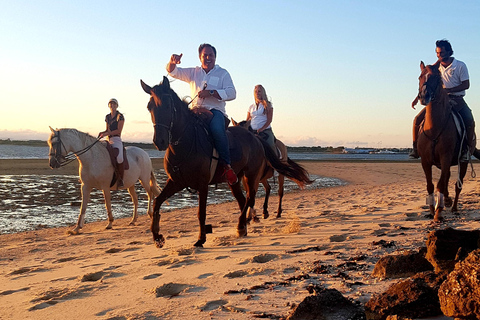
339 73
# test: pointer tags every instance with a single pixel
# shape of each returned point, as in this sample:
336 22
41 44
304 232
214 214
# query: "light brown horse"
270 173
189 155
439 143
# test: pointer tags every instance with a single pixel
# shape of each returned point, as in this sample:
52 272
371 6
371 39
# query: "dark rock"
415 297
447 245
402 265
327 304
460 293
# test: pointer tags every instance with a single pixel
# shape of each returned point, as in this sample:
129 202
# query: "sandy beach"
331 237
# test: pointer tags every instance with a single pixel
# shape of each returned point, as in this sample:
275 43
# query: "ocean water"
29 152
30 202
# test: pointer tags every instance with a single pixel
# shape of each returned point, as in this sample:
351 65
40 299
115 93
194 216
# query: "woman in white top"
261 115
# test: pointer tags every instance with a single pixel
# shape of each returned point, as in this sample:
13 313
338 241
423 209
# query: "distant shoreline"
143 145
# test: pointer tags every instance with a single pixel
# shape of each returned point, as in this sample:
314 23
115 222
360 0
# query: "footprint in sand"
8 292
265 257
236 274
205 275
152 276
212 305
94 276
338 238
170 289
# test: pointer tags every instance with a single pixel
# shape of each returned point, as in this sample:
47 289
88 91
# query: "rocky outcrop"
460 293
327 304
415 297
448 246
402 265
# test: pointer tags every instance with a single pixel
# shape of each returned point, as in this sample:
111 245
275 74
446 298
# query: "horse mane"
83 135
161 89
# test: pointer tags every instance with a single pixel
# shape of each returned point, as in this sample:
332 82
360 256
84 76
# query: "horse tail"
291 169
154 185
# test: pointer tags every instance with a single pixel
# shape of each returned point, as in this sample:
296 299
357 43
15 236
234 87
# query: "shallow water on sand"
30 202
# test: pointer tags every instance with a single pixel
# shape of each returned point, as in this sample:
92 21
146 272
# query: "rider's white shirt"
217 79
454 75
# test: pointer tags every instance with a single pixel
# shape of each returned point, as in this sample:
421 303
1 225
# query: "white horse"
96 170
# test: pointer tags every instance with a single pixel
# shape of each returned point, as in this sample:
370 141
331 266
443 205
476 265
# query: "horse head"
430 82
55 156
243 124
162 110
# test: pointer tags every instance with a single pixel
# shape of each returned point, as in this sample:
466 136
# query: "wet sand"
120 274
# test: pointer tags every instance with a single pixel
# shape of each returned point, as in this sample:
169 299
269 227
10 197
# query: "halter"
58 155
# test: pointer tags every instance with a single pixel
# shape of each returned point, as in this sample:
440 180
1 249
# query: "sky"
339 73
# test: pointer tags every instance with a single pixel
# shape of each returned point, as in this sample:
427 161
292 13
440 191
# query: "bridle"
173 117
57 154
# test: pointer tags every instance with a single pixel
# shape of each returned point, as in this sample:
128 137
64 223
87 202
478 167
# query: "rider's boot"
121 170
230 175
414 154
471 143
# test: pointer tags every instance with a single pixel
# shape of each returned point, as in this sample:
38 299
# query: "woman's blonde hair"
263 99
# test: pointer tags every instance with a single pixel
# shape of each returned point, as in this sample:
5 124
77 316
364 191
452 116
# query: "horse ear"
234 122
146 87
165 82
422 65
51 129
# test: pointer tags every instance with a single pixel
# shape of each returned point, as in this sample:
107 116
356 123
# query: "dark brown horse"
439 143
189 155
270 173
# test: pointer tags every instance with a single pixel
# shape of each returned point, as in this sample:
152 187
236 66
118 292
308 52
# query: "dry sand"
327 237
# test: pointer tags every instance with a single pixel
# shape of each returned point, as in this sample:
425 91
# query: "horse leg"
458 189
134 196
108 206
83 208
448 199
202 216
281 182
170 189
427 169
238 194
250 203
268 189
442 186
242 220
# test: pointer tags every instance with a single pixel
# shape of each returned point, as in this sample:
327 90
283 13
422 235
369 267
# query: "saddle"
462 146
113 152
205 117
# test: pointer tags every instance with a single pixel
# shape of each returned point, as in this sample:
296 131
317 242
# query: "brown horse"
270 173
189 155
439 143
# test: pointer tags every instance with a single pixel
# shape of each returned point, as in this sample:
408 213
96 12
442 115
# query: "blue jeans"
220 140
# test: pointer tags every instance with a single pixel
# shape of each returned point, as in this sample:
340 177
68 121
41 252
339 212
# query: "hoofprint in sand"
327 237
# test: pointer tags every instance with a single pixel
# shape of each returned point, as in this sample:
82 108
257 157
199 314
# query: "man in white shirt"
212 86
456 81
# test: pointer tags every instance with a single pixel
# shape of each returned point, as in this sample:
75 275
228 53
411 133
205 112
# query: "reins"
71 156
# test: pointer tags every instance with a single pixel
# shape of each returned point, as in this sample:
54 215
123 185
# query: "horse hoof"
73 232
256 219
266 215
242 232
199 243
438 219
160 241
279 215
